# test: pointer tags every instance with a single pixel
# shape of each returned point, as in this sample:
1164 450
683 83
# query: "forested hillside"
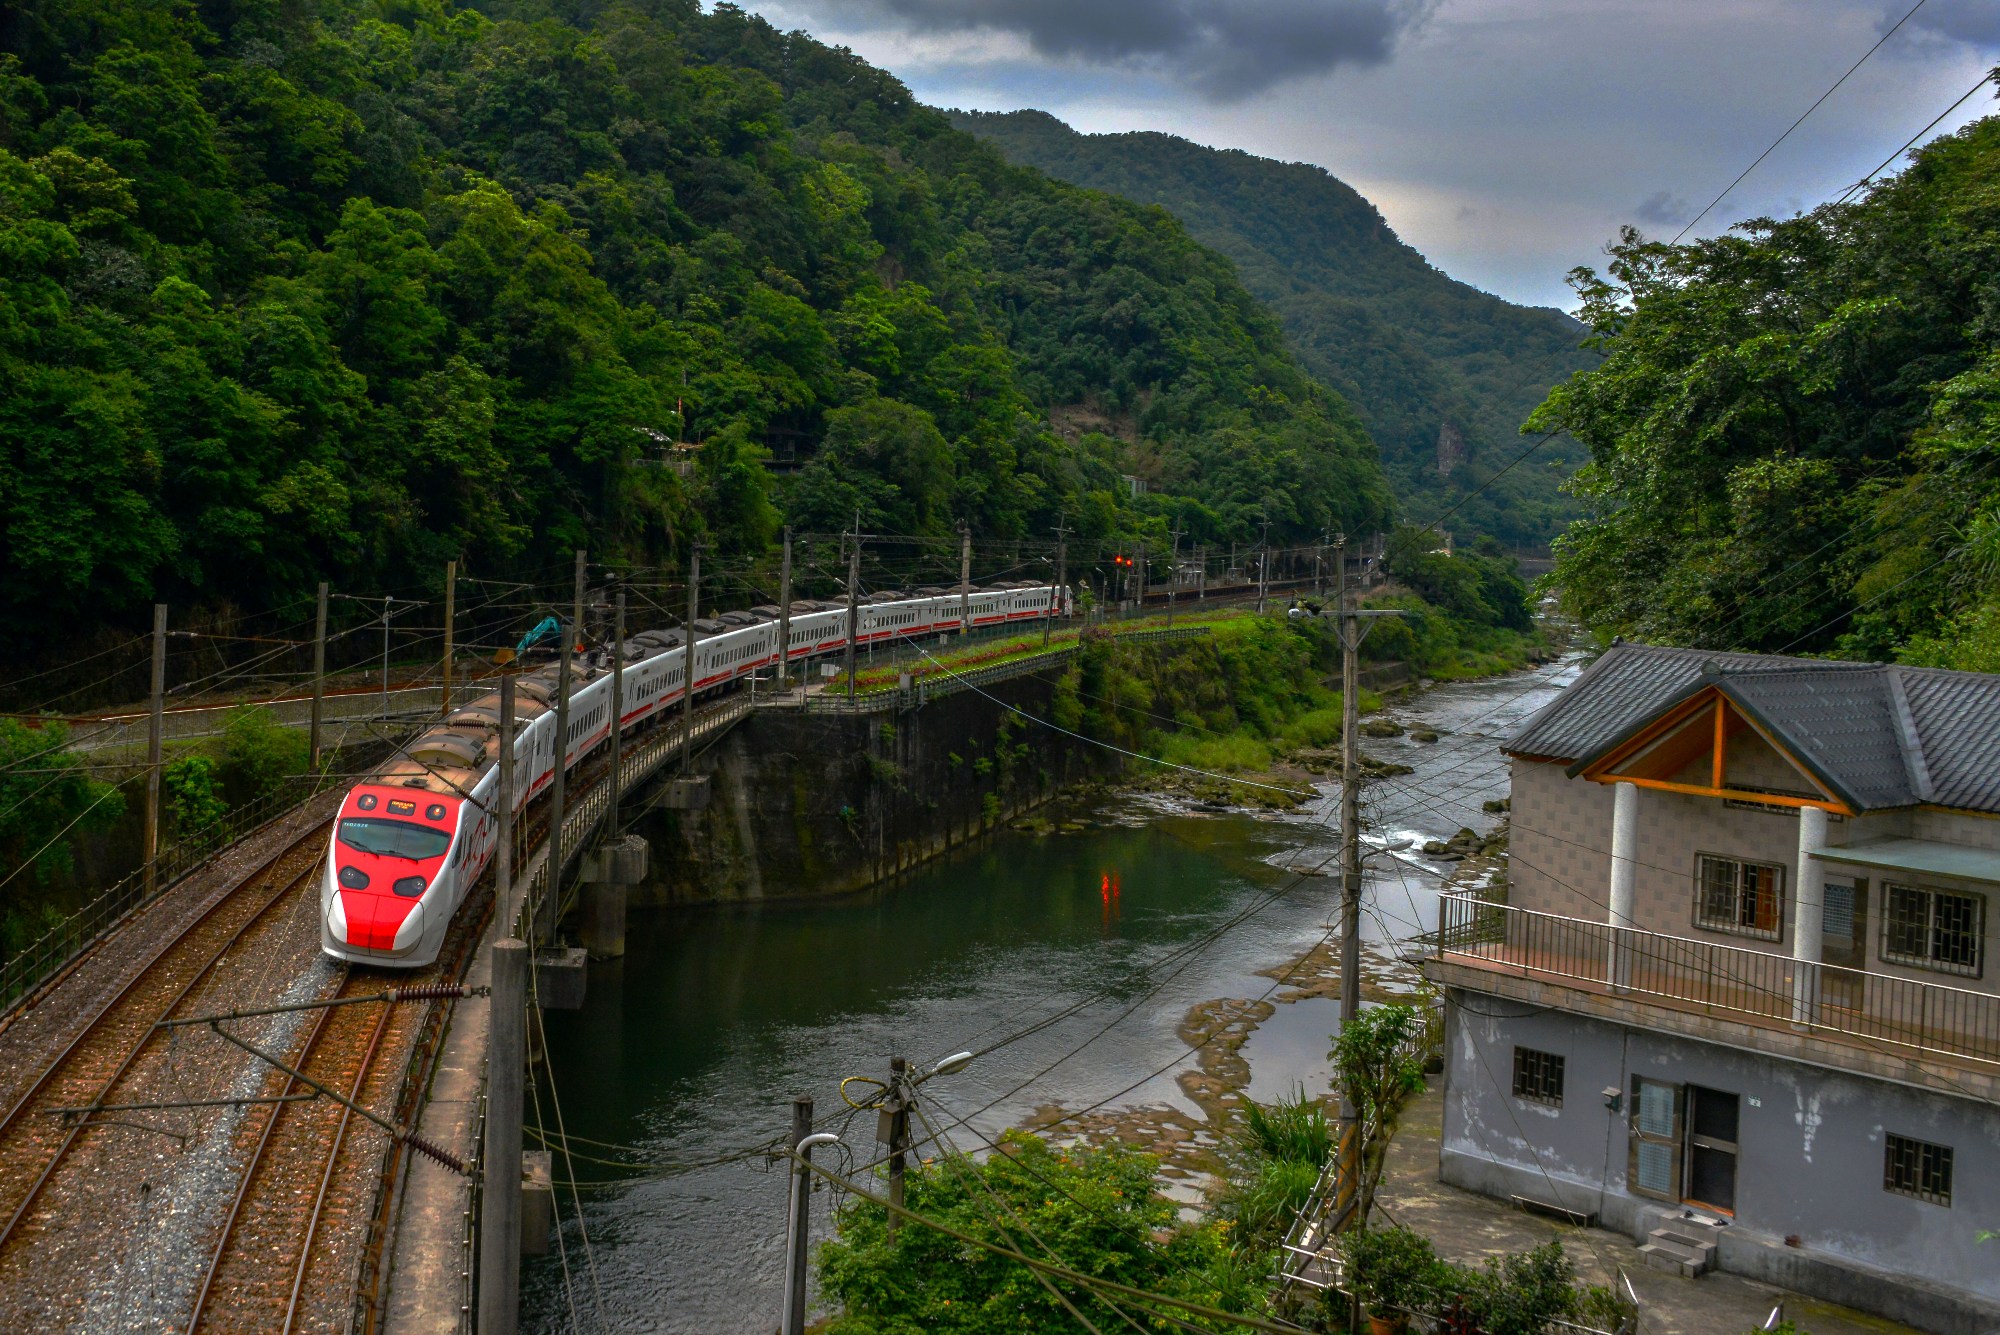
292 291
1426 360
1795 435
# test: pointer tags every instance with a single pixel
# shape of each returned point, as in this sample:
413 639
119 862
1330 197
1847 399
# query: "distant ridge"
1440 371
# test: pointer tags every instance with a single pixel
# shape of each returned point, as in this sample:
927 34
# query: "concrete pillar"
1624 869
500 1221
604 921
1808 915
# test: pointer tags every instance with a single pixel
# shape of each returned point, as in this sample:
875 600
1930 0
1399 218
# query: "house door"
1843 940
1658 1146
1711 1149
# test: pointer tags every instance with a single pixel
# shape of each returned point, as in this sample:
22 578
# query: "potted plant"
1392 1271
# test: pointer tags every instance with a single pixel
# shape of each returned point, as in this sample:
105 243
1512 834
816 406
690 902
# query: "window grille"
1740 897
1933 929
1912 1167
1538 1076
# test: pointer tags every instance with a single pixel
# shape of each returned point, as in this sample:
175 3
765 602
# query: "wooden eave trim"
1598 771
1837 807
1665 723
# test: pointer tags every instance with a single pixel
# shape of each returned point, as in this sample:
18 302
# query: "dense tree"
345 291
1795 433
1421 357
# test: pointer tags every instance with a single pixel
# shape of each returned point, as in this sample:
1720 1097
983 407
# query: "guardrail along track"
34 1143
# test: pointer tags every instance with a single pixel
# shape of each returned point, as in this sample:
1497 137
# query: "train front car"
386 897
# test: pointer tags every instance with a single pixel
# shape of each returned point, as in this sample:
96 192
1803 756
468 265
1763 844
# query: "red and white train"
413 837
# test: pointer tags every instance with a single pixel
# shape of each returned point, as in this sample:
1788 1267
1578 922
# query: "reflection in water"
693 1045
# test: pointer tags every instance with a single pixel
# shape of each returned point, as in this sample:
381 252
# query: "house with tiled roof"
1740 995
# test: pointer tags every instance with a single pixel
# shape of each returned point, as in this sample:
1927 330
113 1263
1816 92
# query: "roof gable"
1873 735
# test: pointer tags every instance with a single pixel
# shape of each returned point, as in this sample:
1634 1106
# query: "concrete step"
1668 1257
1695 1236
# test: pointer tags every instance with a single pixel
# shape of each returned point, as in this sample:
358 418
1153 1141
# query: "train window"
393 838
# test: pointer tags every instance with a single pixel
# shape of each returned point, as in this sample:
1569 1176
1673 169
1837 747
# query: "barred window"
1933 929
1739 897
1538 1076
1917 1168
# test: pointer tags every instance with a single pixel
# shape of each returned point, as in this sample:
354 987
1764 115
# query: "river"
692 1047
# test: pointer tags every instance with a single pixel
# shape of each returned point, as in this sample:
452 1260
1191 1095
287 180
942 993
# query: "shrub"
1392 1268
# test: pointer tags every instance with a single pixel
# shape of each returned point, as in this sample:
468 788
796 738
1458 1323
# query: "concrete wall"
1810 1162
819 803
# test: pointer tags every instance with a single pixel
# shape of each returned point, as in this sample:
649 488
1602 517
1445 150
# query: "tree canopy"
343 290
1795 431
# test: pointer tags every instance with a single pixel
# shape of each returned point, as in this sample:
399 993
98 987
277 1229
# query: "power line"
1801 120
1964 97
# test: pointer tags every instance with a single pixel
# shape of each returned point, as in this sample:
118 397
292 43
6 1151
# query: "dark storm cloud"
1663 208
1225 49
1973 22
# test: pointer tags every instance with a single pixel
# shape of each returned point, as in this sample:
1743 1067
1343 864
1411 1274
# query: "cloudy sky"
1506 139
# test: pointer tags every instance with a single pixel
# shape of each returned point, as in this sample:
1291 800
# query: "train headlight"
409 887
354 878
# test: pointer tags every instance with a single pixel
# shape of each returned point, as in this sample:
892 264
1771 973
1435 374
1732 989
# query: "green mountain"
1442 373
346 289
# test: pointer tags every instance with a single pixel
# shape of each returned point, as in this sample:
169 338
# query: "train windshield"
393 838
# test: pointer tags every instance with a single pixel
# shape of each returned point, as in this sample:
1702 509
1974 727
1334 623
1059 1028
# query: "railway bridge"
208 1125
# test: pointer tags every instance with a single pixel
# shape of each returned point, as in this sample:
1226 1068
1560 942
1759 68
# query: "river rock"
1382 727
1423 735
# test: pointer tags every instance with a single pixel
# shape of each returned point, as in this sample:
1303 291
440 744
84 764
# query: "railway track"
313 1182
35 1142
286 1256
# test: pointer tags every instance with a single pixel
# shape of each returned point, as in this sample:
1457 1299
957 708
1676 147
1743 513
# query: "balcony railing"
1761 987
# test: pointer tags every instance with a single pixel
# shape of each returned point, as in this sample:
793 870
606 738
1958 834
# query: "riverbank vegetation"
1795 434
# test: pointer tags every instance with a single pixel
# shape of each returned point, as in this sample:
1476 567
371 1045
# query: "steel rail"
109 1009
333 1162
249 1176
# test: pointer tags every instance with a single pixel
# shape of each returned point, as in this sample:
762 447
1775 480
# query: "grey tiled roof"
1878 735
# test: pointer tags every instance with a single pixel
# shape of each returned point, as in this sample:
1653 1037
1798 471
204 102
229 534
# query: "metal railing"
31 966
1707 977
938 683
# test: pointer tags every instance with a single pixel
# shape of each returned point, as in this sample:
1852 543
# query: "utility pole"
156 721
1263 564
796 1254
576 602
1353 626
1062 572
387 599
1201 574
506 912
546 909
964 576
617 711
785 615
853 600
1140 575
687 657
896 1108
319 680
1319 567
500 1161
1173 574
450 616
